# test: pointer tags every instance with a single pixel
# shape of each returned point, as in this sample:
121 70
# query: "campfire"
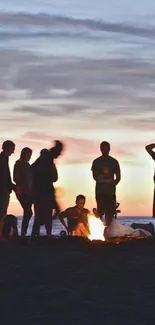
96 228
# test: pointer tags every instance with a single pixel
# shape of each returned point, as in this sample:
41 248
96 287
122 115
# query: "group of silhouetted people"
33 186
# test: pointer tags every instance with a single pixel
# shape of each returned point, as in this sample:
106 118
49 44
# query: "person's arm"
149 148
117 174
54 173
17 178
61 217
94 171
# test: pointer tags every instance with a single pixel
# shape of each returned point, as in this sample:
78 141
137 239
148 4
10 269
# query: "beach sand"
69 281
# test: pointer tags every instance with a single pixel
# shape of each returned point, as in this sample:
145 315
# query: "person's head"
80 201
43 152
26 154
105 148
57 149
8 147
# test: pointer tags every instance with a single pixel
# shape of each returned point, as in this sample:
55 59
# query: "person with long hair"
22 176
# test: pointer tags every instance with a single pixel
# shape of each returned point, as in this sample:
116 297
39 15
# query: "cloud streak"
23 20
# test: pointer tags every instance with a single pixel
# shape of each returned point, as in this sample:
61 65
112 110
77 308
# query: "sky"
82 72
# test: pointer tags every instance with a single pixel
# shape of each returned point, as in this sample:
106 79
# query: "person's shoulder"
98 159
86 210
18 163
112 159
69 209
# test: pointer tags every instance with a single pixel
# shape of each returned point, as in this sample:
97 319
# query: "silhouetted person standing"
56 207
6 185
149 148
44 175
106 173
22 176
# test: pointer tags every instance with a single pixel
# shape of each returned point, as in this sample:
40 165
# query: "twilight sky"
83 72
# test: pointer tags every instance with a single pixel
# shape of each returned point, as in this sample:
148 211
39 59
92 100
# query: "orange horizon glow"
135 195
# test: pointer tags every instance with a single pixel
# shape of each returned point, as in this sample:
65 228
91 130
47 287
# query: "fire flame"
96 228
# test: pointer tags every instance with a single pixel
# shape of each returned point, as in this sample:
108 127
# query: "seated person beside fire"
77 218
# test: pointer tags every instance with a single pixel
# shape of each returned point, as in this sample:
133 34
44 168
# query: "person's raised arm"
149 148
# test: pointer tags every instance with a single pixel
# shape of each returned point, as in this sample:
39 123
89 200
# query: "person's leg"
154 204
56 209
15 228
26 203
36 223
110 204
48 223
100 205
4 203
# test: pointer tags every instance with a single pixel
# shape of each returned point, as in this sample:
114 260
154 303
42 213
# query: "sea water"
57 226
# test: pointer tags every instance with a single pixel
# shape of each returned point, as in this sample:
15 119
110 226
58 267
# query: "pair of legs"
26 203
4 203
43 206
106 204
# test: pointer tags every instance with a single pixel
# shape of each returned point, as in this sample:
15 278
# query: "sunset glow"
81 72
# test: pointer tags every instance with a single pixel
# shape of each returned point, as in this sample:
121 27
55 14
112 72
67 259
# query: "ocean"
57 226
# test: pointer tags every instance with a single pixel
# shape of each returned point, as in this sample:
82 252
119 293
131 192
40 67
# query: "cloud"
23 20
87 93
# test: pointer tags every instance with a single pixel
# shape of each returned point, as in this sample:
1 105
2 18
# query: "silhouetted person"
6 185
10 230
75 215
56 207
149 148
44 175
22 176
106 173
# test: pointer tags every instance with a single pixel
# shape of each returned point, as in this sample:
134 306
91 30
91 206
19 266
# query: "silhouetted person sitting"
44 175
6 185
106 173
22 176
76 215
10 230
150 149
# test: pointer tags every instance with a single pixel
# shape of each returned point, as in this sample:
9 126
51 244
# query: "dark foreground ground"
77 282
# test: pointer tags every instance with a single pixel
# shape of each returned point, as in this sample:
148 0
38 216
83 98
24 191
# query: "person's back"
23 176
105 169
43 178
